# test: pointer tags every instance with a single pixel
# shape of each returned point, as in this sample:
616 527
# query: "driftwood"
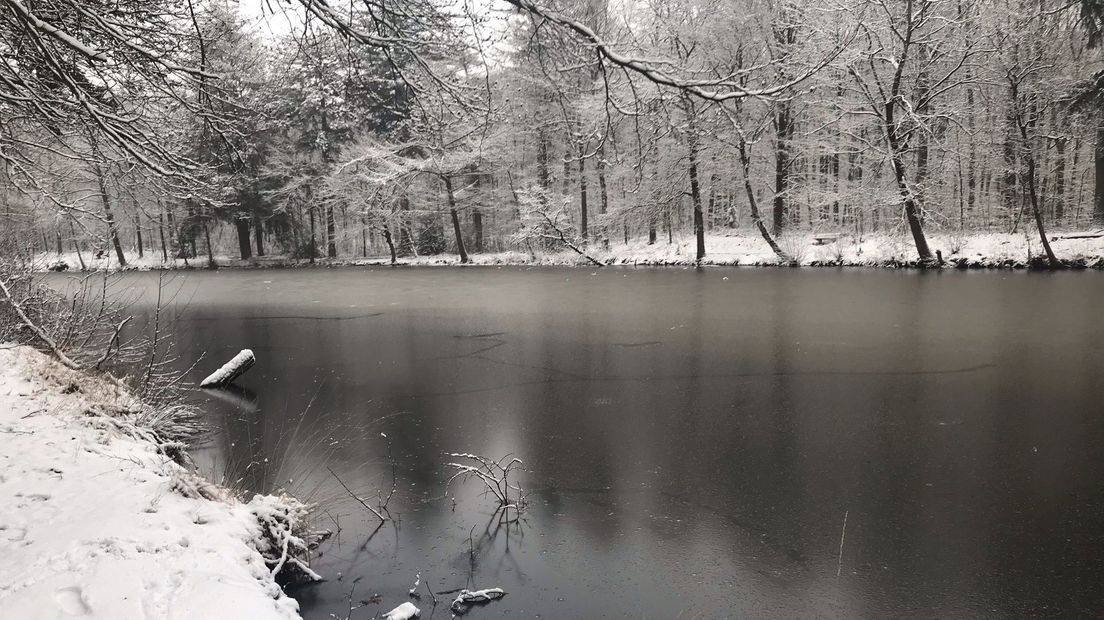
469 598
406 611
231 370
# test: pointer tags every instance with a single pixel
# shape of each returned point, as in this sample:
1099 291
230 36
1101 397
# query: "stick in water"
843 532
231 370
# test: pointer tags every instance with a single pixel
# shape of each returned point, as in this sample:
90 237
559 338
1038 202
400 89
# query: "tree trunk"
455 220
310 212
912 210
331 233
582 197
406 241
603 194
390 244
109 218
1029 158
783 124
161 231
138 235
258 232
477 224
1008 183
566 184
175 248
1060 180
834 166
753 207
105 200
695 189
76 244
912 207
923 87
542 164
210 251
971 166
242 226
1098 185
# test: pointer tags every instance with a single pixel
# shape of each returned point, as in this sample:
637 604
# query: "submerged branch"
353 495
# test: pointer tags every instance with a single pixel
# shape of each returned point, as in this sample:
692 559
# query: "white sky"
269 17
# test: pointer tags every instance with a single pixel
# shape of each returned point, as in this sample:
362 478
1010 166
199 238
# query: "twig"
471 545
112 342
383 502
356 497
843 532
430 590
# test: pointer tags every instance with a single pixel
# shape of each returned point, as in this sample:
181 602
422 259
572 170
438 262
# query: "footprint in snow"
71 601
14 534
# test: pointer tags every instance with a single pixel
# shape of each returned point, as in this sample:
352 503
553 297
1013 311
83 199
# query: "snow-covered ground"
738 248
92 520
978 249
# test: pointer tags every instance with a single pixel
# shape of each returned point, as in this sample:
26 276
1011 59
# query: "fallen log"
231 370
406 611
468 599
1087 235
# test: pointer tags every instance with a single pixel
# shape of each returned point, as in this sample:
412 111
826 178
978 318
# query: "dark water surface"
693 440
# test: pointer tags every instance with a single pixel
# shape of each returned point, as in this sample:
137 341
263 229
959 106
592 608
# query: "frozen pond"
693 440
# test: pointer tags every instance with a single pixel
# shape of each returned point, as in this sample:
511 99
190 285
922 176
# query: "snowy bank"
98 521
959 250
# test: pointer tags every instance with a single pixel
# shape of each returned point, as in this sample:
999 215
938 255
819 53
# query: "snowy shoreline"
97 520
971 251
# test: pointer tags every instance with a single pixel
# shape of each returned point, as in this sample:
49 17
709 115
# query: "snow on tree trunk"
231 370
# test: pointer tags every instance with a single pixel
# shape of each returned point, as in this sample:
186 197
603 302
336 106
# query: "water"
694 441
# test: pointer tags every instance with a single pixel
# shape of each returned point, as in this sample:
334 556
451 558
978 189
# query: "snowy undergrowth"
959 250
98 519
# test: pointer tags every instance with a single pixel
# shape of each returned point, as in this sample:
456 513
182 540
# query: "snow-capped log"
231 370
406 611
468 598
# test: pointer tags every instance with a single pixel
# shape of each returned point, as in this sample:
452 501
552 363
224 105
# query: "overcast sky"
270 17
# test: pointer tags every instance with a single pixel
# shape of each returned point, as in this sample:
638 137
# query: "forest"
308 130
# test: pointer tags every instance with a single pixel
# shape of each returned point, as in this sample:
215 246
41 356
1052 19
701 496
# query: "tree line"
421 127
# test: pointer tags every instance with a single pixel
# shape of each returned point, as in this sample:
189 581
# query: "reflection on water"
692 440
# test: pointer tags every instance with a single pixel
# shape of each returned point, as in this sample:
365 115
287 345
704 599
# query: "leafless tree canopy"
341 129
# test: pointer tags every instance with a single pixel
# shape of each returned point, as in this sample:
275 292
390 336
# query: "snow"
723 247
467 598
91 520
406 611
231 370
